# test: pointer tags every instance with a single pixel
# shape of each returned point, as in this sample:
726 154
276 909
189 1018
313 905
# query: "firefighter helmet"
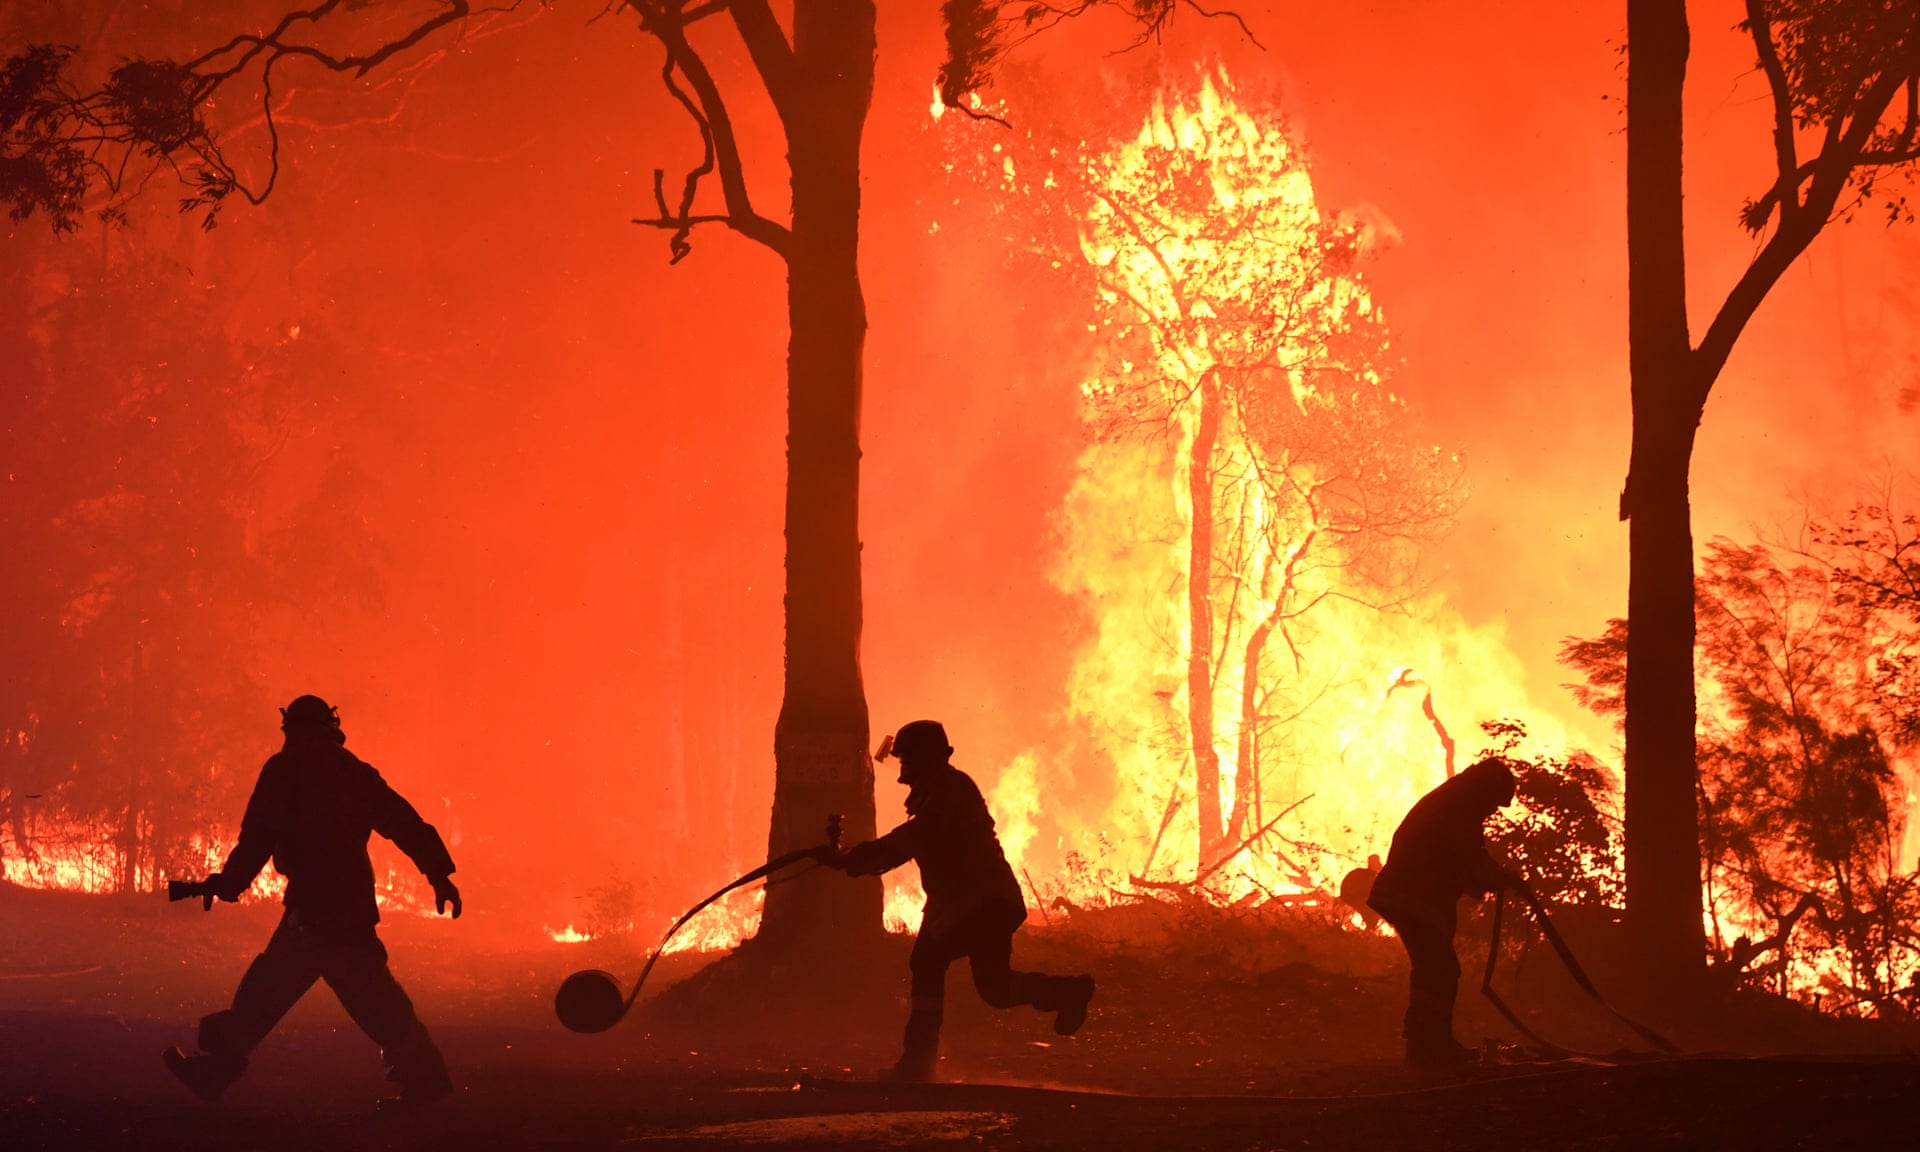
921 738
309 713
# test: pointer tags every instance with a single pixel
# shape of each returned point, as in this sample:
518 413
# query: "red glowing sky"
577 451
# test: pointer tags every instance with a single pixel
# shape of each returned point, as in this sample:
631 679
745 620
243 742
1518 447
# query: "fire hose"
1580 977
590 1000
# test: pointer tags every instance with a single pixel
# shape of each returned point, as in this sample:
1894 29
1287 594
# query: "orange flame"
81 857
1232 315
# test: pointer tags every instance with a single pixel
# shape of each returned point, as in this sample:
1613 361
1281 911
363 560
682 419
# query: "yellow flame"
1014 801
1210 255
905 902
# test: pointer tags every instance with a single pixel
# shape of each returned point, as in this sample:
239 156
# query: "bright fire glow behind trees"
1230 314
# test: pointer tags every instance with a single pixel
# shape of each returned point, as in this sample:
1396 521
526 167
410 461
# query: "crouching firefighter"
1439 854
974 903
311 812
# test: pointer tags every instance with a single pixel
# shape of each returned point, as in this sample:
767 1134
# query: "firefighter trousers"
1435 981
353 962
987 943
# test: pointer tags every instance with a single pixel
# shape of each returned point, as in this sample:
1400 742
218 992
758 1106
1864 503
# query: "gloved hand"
831 857
444 893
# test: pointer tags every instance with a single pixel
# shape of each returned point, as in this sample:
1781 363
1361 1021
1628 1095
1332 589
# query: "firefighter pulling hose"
1439 854
974 904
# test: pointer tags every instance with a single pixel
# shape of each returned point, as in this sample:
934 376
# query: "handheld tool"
187 889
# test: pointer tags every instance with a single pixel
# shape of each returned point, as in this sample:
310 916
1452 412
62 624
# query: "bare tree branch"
1786 186
980 34
1831 169
664 20
359 64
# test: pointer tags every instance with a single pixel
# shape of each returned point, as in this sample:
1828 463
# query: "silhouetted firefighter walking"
973 901
312 811
1439 854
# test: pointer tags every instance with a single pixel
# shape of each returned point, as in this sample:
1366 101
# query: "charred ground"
1212 1029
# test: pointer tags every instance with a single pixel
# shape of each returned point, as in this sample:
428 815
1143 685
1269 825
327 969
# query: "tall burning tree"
1252 475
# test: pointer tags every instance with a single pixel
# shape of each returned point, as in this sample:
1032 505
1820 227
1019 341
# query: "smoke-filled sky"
570 455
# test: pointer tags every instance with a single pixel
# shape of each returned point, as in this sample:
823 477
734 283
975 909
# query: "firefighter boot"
418 1068
1439 1052
1072 1013
1429 1029
206 1076
417 1092
921 1049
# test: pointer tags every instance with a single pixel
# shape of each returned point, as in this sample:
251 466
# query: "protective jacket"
1439 854
312 812
962 868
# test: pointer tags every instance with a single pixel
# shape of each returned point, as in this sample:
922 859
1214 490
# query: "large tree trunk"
821 740
1206 758
1662 833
